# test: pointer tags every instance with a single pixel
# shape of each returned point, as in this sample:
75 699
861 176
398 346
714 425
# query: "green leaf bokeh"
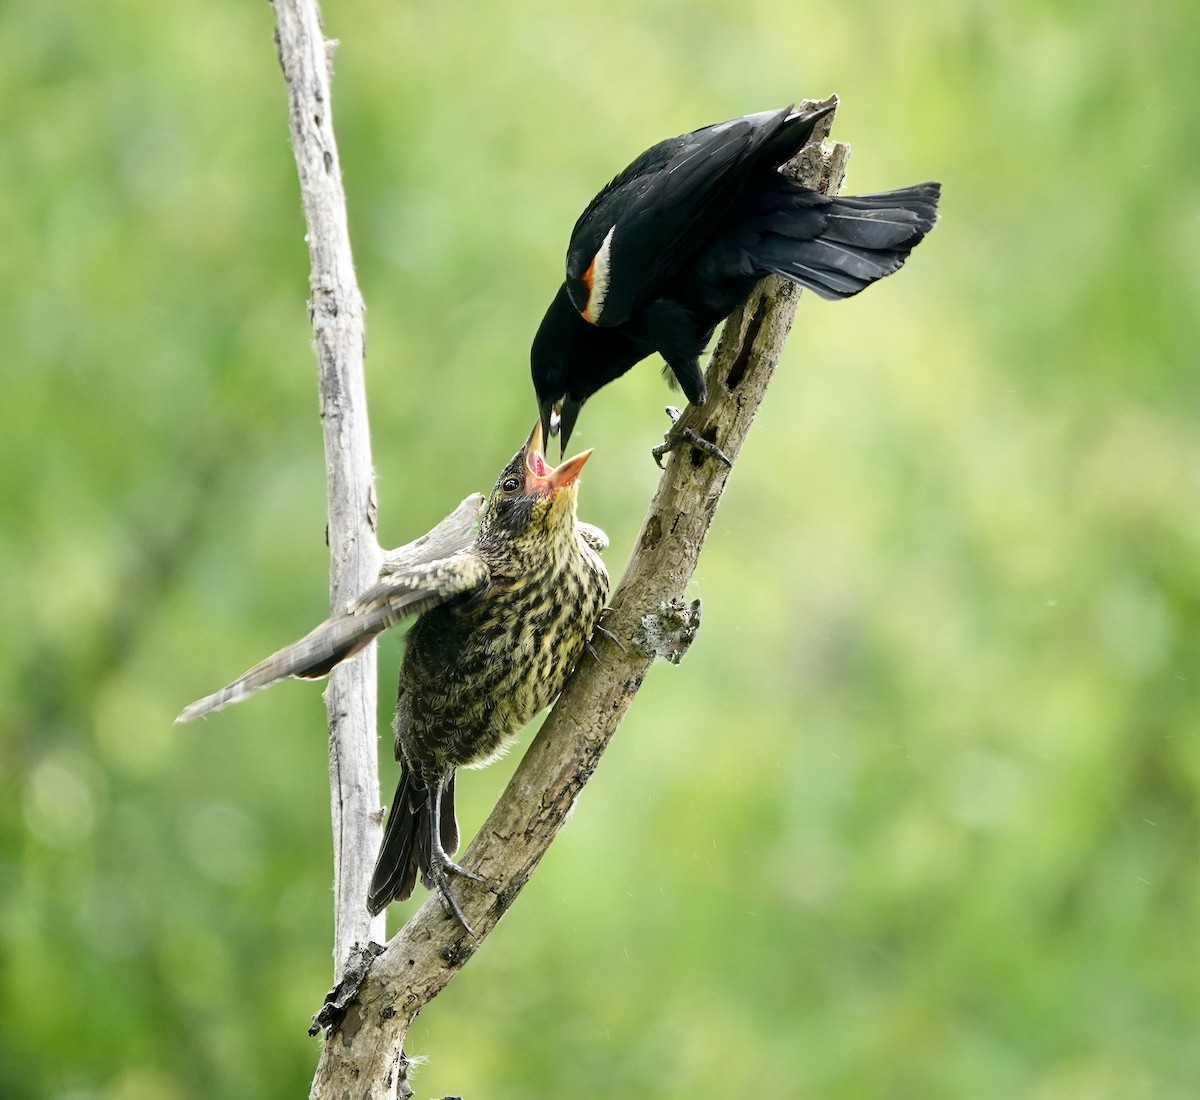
917 817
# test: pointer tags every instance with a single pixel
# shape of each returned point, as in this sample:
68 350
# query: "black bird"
668 249
502 624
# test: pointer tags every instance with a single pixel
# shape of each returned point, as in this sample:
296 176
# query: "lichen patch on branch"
667 632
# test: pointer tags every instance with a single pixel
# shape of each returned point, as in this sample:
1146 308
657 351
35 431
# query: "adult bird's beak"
568 414
542 479
549 419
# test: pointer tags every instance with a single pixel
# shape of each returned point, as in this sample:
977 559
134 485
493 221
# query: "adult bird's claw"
676 436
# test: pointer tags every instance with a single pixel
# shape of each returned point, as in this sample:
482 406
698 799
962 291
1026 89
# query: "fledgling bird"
502 624
669 248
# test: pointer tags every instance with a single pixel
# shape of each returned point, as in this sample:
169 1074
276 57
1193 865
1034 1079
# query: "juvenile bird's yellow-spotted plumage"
501 625
479 667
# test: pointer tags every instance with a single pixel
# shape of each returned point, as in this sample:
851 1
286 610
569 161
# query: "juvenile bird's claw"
601 630
438 877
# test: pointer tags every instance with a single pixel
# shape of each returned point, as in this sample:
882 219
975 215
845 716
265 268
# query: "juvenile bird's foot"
677 436
600 628
441 867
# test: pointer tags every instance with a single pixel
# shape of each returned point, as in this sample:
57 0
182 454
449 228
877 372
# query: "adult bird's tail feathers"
405 848
837 246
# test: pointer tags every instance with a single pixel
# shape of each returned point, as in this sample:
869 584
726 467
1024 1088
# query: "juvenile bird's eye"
510 485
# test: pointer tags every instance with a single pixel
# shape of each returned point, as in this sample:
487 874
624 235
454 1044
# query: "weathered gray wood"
336 311
652 618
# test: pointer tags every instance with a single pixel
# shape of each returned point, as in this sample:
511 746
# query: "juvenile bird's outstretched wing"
401 594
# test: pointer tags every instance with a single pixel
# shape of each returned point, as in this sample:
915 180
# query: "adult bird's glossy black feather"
671 246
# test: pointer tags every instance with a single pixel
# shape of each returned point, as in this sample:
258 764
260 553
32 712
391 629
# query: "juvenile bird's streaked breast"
489 664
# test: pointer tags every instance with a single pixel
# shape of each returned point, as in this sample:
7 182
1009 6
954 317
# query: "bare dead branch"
336 311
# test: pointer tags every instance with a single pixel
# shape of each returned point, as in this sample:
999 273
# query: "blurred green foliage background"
917 817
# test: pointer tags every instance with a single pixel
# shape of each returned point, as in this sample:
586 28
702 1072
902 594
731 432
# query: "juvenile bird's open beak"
534 442
541 478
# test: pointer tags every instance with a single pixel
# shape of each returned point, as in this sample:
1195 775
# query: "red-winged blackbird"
668 249
501 626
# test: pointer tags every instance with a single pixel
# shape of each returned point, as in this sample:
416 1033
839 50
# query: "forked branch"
649 618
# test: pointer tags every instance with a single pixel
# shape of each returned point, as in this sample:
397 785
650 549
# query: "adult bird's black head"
675 242
572 359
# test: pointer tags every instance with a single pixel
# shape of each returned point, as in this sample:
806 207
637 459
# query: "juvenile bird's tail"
838 245
405 849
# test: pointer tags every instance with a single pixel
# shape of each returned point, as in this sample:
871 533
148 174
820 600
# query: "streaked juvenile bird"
668 249
502 624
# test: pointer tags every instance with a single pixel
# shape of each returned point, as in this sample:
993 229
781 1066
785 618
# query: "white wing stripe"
600 272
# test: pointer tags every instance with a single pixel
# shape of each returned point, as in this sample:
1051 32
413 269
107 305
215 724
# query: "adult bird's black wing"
404 593
645 225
